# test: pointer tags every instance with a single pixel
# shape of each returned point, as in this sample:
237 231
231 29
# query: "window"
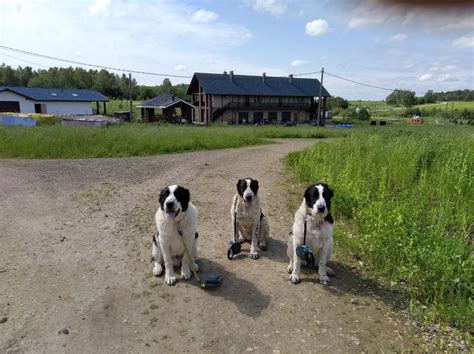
257 117
285 117
272 117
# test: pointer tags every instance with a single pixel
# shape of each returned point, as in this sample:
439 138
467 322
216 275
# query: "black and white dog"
176 221
248 221
313 217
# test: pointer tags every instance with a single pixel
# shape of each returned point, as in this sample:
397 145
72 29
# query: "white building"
49 100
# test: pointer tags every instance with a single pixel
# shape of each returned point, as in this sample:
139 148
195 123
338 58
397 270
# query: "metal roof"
246 85
164 100
56 94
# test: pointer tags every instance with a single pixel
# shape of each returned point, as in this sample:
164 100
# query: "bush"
363 114
406 198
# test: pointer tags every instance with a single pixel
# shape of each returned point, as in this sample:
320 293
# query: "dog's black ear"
183 196
329 191
308 195
241 186
165 192
254 185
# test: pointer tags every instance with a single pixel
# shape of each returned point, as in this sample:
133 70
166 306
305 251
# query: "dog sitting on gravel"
312 229
248 222
176 221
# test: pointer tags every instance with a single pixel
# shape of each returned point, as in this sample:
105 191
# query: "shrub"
406 197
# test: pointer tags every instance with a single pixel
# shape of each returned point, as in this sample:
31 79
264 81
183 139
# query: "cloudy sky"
381 43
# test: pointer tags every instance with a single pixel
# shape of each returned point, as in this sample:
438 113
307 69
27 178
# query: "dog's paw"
294 278
186 275
263 246
290 268
323 279
253 255
170 279
157 270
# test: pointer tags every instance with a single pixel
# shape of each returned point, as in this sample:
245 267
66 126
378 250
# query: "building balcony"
267 106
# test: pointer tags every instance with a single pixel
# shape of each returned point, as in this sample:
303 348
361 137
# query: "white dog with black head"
176 222
248 221
313 227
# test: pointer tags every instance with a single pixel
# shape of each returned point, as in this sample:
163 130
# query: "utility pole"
320 101
130 95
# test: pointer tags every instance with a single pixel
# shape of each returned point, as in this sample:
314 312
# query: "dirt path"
75 273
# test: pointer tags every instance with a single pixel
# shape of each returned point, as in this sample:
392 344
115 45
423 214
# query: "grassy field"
55 141
404 208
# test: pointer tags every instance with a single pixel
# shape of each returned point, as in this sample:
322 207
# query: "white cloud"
324 60
445 77
180 67
317 28
298 62
425 77
464 42
100 7
399 37
275 7
204 16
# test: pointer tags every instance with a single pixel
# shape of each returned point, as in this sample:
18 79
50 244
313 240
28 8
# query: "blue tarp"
16 120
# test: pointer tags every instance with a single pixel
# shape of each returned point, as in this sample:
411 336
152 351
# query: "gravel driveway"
75 273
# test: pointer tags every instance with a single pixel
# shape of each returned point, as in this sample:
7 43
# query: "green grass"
52 142
404 205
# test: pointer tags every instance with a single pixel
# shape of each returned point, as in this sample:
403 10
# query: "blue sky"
392 46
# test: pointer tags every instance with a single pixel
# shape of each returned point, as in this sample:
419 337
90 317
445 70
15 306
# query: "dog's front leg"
170 276
157 257
253 246
185 269
295 274
325 254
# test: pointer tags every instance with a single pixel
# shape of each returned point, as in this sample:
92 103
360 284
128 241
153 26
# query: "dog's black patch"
183 196
242 186
163 195
329 218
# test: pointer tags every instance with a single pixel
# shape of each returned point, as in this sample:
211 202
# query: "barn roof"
164 100
246 85
56 94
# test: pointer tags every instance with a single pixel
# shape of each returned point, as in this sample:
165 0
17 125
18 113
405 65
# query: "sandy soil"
75 274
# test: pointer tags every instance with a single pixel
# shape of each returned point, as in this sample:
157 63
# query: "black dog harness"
235 246
304 252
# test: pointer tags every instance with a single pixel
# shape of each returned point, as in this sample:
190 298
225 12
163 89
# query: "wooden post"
320 97
200 108
130 95
105 109
97 107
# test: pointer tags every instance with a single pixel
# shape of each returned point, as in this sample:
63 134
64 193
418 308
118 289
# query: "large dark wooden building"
243 99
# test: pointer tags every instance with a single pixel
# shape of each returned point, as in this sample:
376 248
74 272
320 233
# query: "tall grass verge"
407 200
51 142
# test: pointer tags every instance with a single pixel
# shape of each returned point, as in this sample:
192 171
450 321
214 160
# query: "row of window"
257 117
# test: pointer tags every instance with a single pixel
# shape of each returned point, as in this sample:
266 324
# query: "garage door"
10 106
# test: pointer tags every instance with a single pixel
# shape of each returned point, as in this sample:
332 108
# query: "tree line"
407 98
112 85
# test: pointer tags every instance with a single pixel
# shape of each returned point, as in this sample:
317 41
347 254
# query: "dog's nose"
170 205
248 197
321 209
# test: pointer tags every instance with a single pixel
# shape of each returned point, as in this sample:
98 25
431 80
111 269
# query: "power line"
91 65
311 73
26 61
360 83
